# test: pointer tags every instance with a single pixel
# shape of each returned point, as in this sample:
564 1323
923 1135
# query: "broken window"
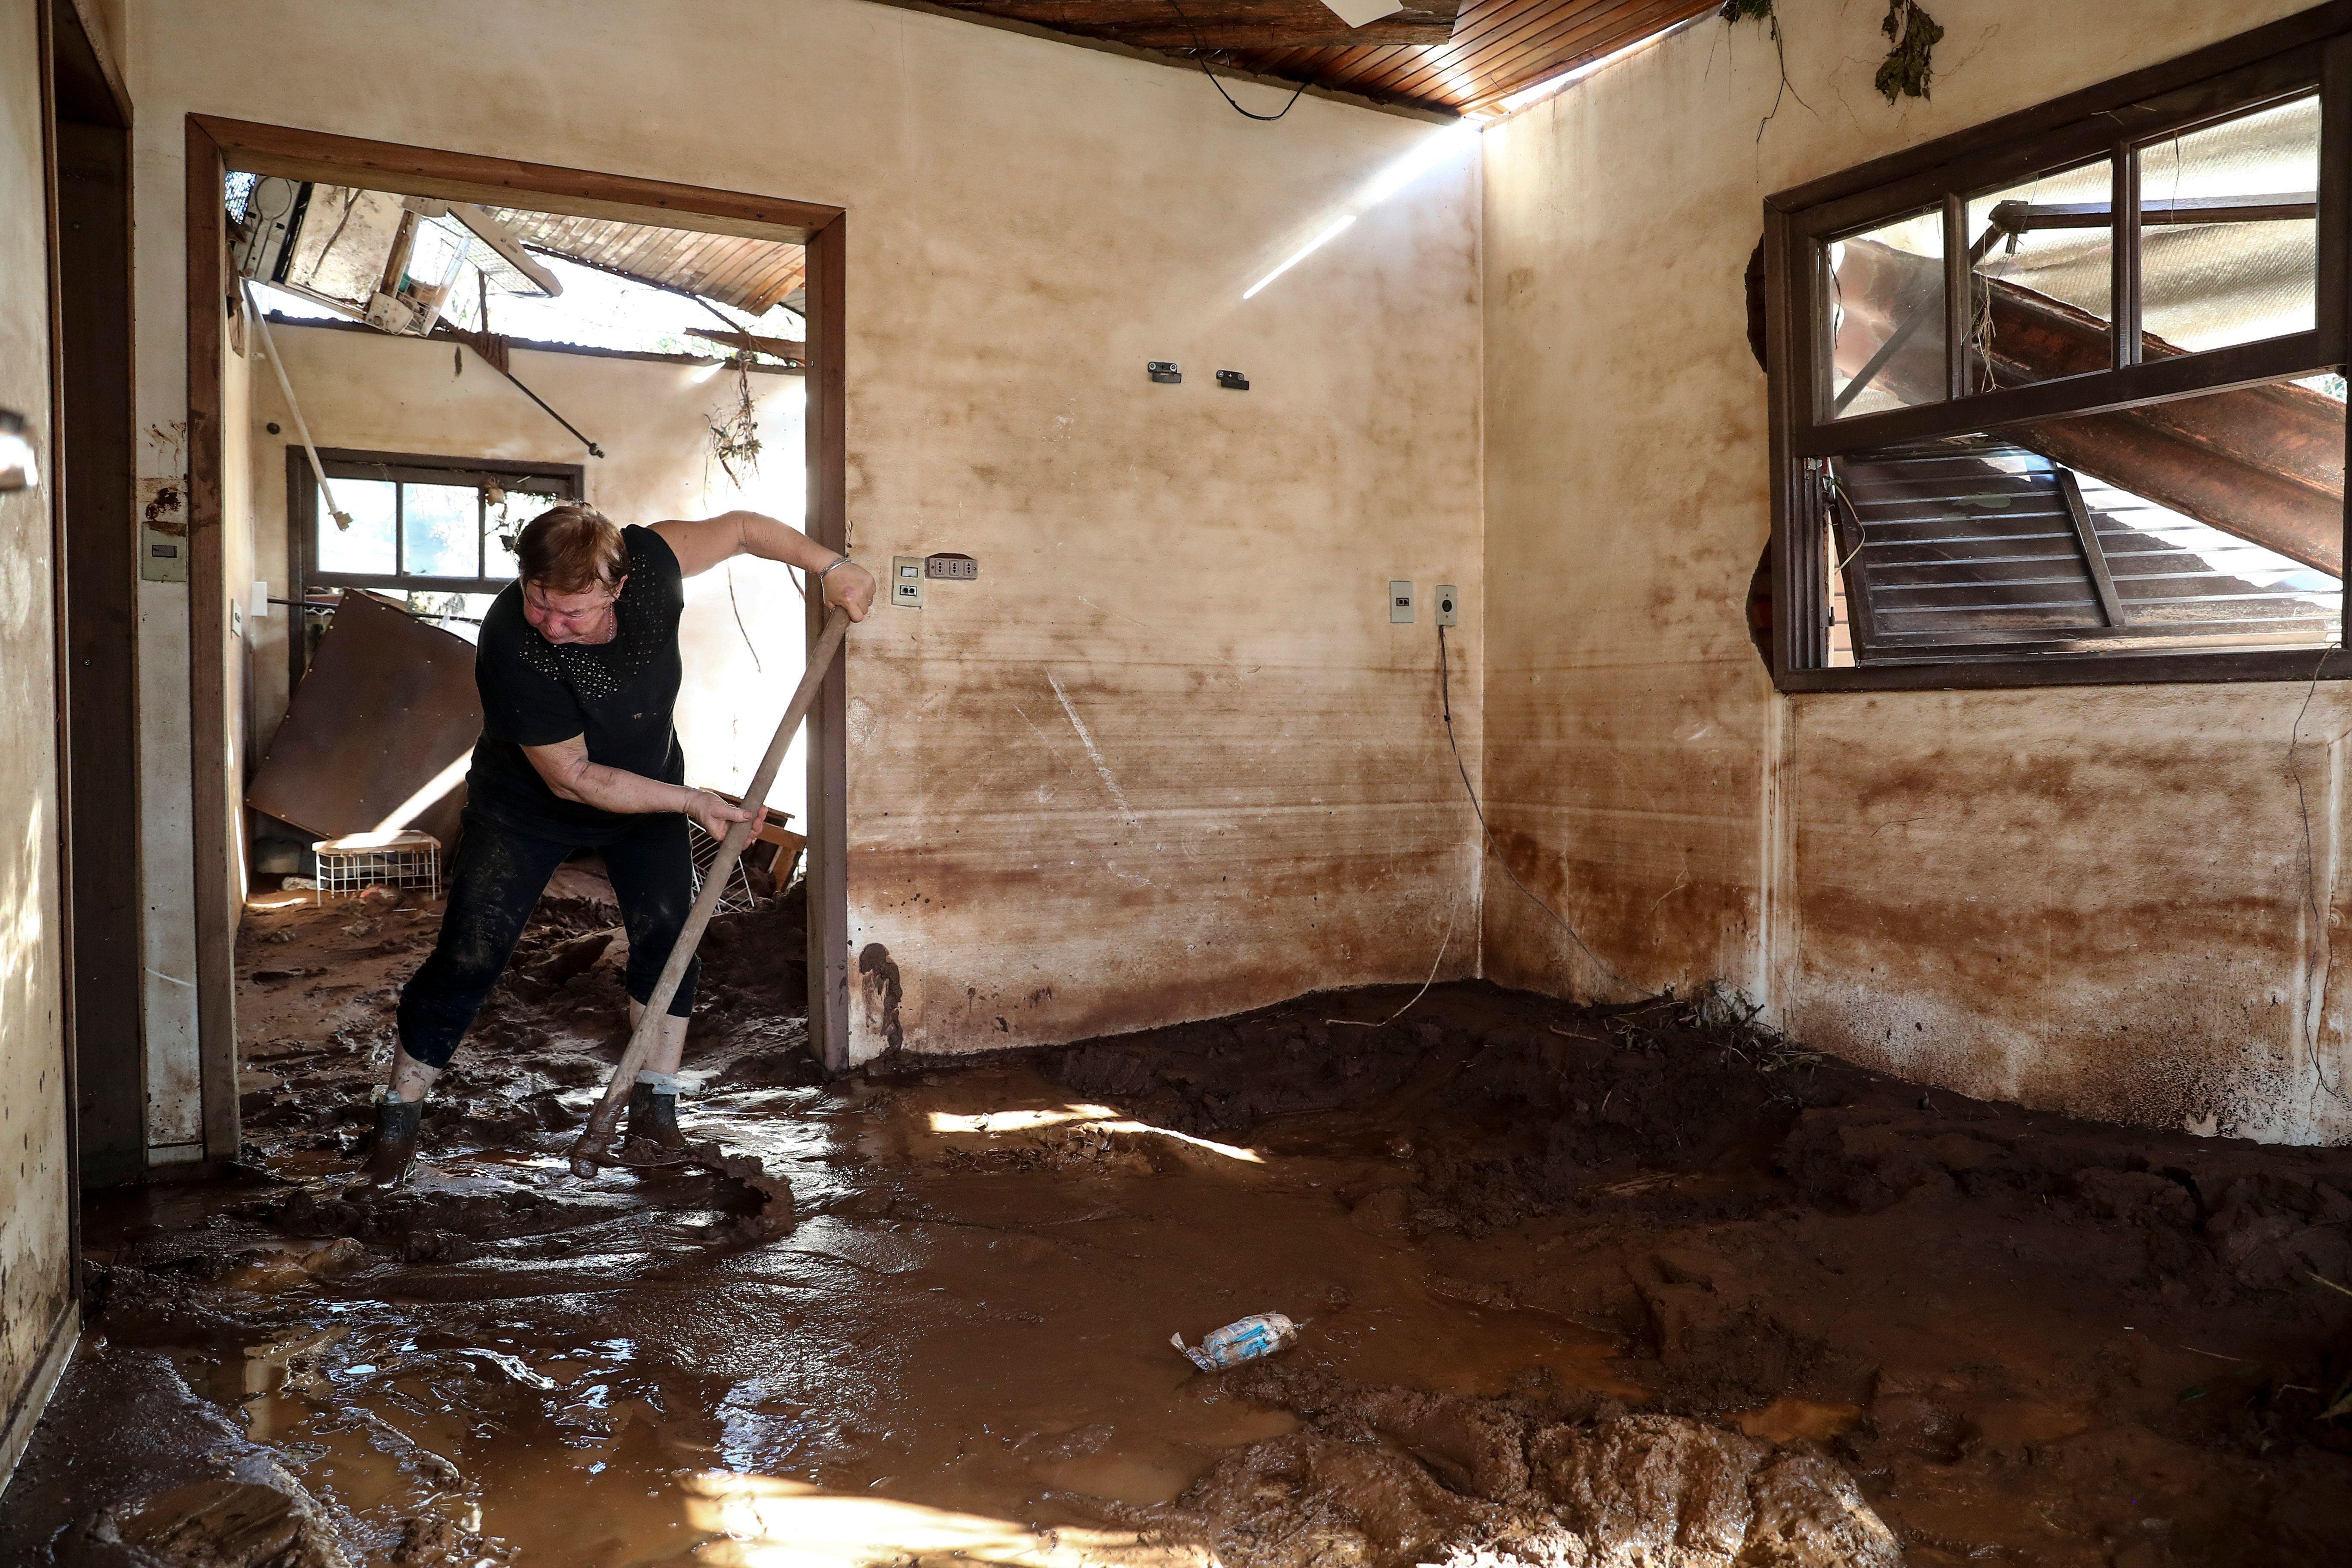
2065 400
435 534
1989 546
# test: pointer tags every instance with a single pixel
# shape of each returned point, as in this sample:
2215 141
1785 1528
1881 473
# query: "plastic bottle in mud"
1258 1335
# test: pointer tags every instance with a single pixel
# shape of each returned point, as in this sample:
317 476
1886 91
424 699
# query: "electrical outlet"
949 567
907 582
1447 598
1399 602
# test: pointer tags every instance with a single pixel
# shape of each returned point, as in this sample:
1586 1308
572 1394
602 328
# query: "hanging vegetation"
1909 65
735 440
1906 72
1735 12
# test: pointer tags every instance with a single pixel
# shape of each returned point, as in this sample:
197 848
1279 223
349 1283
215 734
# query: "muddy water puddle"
1530 1250
954 1324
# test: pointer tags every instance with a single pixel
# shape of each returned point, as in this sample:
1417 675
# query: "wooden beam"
1222 24
216 896
782 348
505 183
828 764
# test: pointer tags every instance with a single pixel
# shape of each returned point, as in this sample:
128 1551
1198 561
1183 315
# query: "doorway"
219 148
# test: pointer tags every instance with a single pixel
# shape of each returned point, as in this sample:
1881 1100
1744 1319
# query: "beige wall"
1167 758
36 1278
366 392
2093 899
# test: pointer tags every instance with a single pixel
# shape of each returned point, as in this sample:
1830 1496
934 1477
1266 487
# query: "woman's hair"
570 548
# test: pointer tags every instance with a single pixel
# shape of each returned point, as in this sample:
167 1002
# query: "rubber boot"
397 1122
653 1122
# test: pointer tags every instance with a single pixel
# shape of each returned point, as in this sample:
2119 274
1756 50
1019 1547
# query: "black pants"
501 871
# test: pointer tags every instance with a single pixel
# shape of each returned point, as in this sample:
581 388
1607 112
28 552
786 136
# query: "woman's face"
568 618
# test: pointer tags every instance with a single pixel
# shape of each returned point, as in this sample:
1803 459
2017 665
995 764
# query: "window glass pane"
2209 523
2206 284
439 525
460 613
366 545
500 525
2042 259
1886 316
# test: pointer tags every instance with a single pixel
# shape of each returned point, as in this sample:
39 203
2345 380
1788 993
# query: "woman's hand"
713 813
852 587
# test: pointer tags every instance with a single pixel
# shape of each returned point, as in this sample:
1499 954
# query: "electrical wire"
1445 688
1383 1023
2309 1032
1200 49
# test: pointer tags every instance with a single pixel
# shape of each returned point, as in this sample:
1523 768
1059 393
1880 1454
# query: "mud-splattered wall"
364 391
36 1268
2093 899
1167 757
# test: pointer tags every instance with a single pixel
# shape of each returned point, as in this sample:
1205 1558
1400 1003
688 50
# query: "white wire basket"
350 865
738 896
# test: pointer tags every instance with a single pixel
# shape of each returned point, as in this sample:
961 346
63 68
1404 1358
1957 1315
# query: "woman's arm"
569 773
699 546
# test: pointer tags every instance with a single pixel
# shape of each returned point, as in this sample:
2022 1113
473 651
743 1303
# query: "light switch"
1401 600
162 553
907 582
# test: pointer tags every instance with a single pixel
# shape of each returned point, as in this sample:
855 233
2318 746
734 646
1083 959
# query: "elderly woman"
579 669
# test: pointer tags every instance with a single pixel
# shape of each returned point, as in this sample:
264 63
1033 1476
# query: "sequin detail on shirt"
601 669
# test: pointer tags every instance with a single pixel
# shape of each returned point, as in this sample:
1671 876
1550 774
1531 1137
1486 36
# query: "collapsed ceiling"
751 275
361 252
1451 56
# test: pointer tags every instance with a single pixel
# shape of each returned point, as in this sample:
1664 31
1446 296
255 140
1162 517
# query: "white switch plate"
1446 605
907 582
162 556
1399 602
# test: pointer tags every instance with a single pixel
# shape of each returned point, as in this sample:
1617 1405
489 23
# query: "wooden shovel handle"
597 1137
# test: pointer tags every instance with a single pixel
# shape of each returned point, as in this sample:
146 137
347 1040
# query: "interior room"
1184 783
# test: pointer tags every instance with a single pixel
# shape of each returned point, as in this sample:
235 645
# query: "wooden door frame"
215 148
92 421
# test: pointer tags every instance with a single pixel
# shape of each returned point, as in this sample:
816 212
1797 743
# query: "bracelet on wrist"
828 571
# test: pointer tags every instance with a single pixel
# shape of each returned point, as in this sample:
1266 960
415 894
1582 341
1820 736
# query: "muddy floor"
1577 1287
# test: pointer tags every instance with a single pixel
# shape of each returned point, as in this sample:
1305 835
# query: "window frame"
405 467
2282 60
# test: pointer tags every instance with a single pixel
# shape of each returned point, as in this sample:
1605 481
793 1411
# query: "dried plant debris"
1735 12
735 440
1910 65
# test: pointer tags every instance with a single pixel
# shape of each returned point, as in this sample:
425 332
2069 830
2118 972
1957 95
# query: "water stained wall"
1176 667
2114 902
36 1263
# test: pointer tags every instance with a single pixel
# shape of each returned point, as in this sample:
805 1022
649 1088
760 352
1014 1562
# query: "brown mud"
1579 1286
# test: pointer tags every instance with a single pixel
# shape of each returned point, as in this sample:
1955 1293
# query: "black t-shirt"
619 694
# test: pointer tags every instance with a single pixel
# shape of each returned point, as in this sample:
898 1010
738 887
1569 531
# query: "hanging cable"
1200 49
1445 688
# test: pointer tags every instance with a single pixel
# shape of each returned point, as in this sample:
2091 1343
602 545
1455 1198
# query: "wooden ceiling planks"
749 274
1220 24
1495 47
